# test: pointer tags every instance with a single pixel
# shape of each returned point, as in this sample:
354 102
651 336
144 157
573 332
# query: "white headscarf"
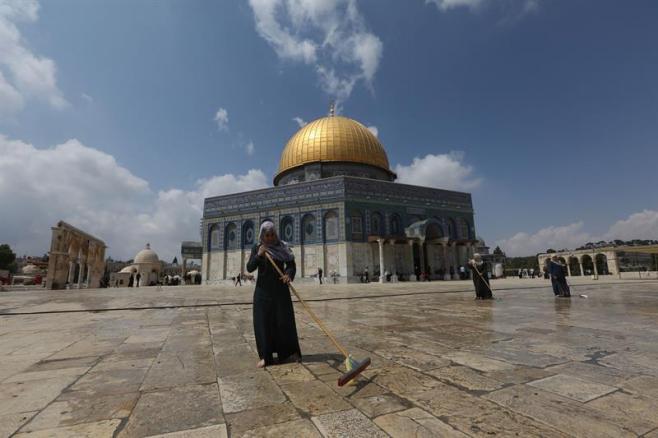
279 250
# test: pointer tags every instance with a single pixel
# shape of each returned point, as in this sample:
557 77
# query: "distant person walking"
139 277
320 275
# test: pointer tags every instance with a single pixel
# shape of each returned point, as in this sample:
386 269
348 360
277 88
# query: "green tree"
7 256
498 251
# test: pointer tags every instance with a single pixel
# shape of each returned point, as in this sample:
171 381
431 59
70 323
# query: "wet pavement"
180 362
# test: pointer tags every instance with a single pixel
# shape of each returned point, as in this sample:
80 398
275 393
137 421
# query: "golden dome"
333 139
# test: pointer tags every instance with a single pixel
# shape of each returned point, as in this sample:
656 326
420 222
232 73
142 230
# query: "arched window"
308 229
248 234
331 226
396 225
376 224
287 229
231 236
462 228
452 228
356 219
433 231
214 237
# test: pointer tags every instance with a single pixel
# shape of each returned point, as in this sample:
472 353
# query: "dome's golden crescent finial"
332 108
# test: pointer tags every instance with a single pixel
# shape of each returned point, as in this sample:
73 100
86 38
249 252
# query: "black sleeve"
254 260
291 269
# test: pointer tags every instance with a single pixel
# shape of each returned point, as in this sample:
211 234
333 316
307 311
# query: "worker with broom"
274 318
480 279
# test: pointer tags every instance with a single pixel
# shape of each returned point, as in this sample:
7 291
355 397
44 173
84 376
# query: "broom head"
354 368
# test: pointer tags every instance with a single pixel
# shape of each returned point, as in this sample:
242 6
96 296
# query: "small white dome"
193 272
128 269
147 255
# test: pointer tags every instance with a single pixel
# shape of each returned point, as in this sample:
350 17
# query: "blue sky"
546 110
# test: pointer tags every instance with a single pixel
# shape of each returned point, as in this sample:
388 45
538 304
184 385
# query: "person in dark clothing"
139 277
366 275
274 317
559 278
238 280
480 278
320 275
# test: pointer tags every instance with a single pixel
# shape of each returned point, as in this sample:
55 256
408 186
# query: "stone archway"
574 266
601 264
588 265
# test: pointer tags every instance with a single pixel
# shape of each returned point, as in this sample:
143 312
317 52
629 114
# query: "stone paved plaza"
180 362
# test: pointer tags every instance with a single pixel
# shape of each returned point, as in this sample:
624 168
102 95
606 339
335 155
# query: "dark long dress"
559 275
274 318
481 282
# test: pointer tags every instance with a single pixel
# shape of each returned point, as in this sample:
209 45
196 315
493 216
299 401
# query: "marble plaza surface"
180 362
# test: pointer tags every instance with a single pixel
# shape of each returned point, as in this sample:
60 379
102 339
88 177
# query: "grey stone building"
335 201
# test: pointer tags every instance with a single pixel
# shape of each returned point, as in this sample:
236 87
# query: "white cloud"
556 237
301 122
329 35
87 98
374 130
22 73
443 171
250 148
89 189
221 118
511 8
642 225
445 5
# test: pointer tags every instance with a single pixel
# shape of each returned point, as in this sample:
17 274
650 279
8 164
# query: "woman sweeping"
480 279
274 318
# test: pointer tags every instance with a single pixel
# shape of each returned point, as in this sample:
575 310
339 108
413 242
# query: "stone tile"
412 358
405 381
216 431
346 423
297 428
569 417
377 405
100 429
111 382
634 412
573 387
31 395
83 409
175 409
466 378
249 391
50 374
177 369
646 385
314 397
416 423
111 363
10 423
591 372
290 373
57 364
243 421
501 422
478 362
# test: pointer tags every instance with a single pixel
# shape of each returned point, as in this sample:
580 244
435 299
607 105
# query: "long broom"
354 367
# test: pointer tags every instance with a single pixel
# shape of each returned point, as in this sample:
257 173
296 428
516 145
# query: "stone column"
412 275
568 269
446 262
596 271
81 273
89 268
580 263
381 260
69 280
421 256
454 260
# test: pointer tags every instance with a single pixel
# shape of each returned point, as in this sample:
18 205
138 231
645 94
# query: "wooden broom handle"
308 309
